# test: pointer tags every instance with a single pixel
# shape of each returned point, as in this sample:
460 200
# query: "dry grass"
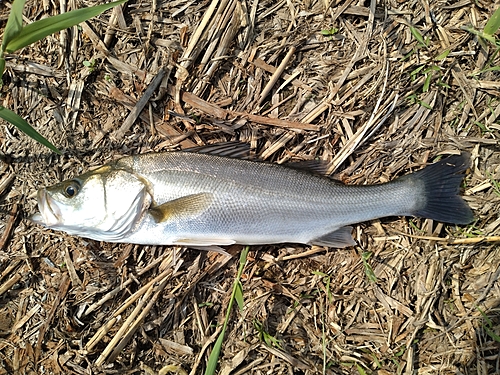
175 74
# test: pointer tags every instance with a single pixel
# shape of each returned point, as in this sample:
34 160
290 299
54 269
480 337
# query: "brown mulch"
374 102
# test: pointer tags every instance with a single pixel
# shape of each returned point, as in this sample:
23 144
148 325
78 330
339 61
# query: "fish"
209 198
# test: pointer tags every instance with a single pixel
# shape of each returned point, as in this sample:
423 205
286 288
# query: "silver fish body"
193 199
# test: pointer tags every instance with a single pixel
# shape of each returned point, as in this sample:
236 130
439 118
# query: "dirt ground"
376 89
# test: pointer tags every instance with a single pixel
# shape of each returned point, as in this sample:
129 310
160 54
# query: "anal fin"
214 248
339 238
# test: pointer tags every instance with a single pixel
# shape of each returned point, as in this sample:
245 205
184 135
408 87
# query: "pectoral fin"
184 207
340 238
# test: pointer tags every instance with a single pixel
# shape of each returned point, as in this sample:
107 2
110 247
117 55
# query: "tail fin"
441 188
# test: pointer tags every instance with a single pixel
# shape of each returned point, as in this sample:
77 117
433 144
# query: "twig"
125 326
8 227
63 289
276 75
132 328
259 63
218 112
448 241
359 137
139 106
9 283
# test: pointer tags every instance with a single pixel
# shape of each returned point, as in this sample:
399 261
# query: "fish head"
105 204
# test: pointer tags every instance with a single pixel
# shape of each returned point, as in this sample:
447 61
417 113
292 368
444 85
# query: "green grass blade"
417 35
443 55
427 82
485 317
480 34
26 128
42 28
2 69
492 334
360 369
493 23
14 23
368 268
213 359
238 295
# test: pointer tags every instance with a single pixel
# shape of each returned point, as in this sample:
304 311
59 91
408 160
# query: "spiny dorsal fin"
188 206
232 149
239 150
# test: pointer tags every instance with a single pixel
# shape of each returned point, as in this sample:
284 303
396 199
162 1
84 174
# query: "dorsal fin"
232 149
318 167
315 166
239 150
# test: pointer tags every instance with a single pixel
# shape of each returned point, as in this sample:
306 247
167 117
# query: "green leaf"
238 295
417 35
427 82
322 274
368 268
481 34
360 369
442 83
424 104
493 23
491 69
42 28
243 259
26 128
14 23
213 359
414 73
492 334
2 69
401 351
432 68
443 55
483 314
329 32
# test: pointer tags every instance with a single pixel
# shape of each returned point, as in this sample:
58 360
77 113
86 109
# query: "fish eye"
71 189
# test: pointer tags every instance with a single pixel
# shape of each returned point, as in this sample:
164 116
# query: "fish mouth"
49 214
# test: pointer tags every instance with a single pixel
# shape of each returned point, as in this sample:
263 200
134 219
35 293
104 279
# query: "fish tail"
441 186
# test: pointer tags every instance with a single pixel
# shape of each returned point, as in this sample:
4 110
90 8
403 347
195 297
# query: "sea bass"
200 199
